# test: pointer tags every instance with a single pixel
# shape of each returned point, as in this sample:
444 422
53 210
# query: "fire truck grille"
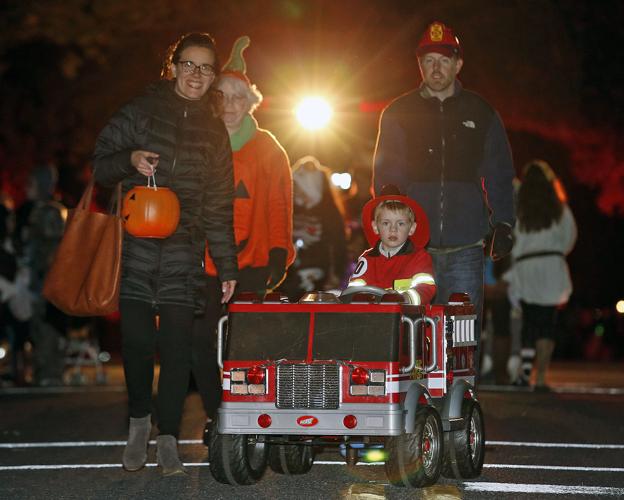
308 386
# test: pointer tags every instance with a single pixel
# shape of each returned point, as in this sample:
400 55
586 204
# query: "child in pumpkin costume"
263 210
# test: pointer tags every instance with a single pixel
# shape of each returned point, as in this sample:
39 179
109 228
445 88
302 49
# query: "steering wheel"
347 294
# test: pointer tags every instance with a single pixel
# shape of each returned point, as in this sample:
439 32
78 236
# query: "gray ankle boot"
167 456
135 453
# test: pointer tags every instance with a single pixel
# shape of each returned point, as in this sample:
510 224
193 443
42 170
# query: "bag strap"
85 199
117 194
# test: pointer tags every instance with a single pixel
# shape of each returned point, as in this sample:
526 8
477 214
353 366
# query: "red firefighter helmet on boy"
420 236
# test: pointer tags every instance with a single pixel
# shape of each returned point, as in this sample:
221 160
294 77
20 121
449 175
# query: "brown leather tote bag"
84 277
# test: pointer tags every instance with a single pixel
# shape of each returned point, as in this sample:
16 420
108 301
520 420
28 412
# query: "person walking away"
262 218
446 147
539 278
170 132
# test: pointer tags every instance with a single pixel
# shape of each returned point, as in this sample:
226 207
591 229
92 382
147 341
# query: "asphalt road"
66 444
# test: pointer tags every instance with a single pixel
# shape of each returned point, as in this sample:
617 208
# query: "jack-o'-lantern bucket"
150 211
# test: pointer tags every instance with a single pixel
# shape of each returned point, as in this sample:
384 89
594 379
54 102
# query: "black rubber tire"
415 459
236 459
465 448
291 459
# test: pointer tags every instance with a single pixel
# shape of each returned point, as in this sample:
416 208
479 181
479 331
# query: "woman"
170 132
545 233
262 216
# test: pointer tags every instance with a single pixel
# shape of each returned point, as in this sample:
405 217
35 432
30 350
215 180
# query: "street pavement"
66 443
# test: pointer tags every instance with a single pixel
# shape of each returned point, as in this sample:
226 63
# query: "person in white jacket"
539 279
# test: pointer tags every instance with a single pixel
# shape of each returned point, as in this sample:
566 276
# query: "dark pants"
204 357
461 271
538 322
139 341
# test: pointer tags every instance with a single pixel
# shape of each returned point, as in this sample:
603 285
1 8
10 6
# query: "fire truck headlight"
359 390
377 376
239 389
376 390
256 388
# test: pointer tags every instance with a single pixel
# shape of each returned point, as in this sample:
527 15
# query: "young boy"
398 229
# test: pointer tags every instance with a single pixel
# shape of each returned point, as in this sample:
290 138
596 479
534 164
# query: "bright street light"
313 113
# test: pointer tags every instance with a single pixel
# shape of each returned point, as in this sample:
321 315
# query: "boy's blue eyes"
388 223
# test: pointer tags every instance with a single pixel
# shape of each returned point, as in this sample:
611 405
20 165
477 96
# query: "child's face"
393 228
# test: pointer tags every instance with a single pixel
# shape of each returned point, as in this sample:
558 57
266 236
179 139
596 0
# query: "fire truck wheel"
236 459
291 458
465 448
415 459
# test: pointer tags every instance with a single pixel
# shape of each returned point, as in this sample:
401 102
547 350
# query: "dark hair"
538 204
189 40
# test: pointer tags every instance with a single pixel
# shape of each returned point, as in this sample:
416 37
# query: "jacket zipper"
173 165
175 155
443 162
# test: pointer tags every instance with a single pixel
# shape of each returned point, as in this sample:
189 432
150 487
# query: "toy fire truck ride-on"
381 379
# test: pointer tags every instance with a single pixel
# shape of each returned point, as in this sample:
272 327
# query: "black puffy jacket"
196 163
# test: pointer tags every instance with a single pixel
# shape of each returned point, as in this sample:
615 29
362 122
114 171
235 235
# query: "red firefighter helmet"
420 236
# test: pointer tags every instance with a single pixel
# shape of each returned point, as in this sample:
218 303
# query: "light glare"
619 307
341 180
313 113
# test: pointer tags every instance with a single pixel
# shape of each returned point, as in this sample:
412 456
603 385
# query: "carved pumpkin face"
150 212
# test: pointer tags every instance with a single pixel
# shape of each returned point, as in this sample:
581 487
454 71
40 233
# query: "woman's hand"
227 287
144 161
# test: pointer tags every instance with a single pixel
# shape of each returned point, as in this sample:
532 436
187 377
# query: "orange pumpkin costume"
262 202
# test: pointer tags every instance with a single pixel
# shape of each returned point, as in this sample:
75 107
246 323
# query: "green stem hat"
235 65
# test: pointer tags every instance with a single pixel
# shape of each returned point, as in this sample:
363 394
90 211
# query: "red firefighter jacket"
409 271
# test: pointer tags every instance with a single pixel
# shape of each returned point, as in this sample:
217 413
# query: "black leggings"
204 356
139 342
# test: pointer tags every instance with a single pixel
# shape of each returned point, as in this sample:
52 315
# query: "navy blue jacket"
453 158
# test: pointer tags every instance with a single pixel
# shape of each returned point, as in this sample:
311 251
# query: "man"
446 148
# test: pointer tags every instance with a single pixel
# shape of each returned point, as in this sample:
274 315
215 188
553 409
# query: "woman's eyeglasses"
190 67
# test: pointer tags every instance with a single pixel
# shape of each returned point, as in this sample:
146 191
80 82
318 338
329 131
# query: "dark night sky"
551 67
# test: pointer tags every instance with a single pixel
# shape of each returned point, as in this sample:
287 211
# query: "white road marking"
84 466
79 444
84 444
316 462
556 489
556 445
553 467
